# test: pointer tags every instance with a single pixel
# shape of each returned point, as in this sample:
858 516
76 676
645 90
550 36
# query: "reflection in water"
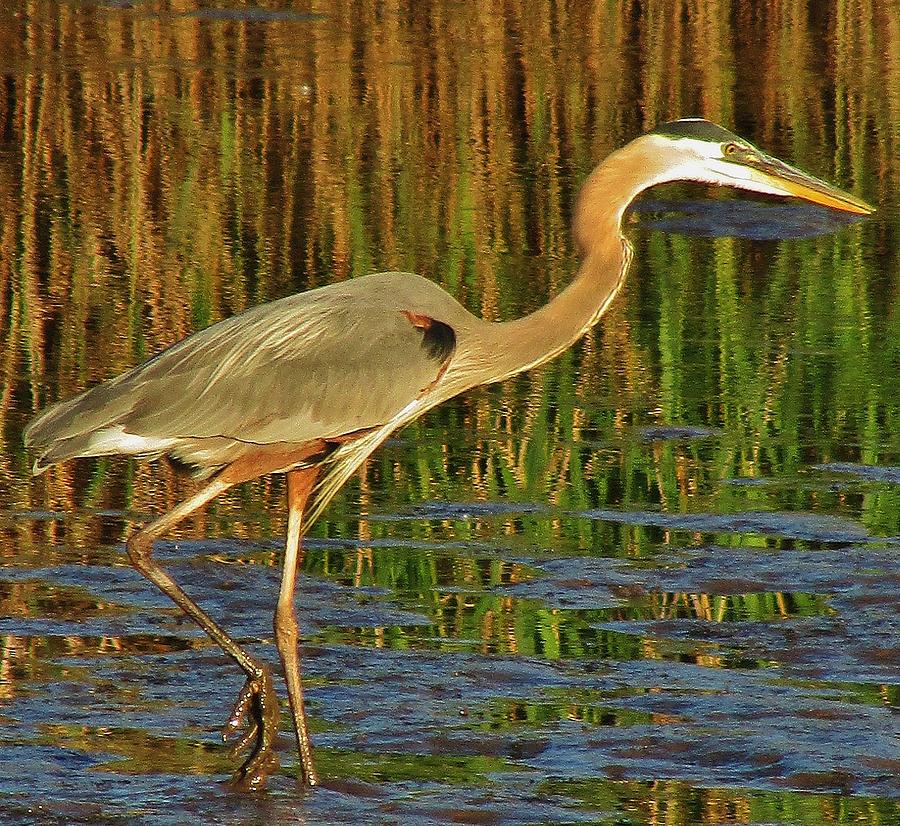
714 642
741 219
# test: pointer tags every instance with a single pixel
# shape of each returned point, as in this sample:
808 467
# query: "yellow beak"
776 174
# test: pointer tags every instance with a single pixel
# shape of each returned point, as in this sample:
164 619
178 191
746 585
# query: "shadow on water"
741 219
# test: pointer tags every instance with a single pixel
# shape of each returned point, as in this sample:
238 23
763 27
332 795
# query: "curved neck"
514 346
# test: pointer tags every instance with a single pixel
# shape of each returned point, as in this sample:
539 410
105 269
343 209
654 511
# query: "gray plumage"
317 365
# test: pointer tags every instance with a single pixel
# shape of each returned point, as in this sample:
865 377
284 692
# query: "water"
653 582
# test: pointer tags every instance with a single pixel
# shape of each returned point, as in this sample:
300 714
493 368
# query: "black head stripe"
697 128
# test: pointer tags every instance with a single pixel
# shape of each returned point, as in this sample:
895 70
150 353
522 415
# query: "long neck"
526 342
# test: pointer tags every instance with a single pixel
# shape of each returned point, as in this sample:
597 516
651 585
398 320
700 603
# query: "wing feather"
320 364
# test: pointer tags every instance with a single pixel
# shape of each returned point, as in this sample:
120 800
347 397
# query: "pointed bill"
771 172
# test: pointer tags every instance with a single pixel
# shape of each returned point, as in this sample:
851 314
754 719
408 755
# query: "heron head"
697 150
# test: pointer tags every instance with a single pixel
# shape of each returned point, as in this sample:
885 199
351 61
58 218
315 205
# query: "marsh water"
654 582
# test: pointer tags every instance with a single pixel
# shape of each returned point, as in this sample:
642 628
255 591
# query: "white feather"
112 440
702 161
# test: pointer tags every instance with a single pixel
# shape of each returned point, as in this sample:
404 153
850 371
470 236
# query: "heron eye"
730 148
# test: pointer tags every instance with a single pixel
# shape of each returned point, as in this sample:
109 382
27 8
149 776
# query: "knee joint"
285 622
139 548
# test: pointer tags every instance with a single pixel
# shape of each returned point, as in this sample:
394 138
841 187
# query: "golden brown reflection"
170 168
40 599
162 167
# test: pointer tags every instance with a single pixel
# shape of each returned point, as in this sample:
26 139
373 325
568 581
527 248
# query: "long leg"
299 485
257 699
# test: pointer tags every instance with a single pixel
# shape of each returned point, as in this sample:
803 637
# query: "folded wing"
317 365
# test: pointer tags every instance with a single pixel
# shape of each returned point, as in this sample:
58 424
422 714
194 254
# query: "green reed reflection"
786 355
164 165
680 804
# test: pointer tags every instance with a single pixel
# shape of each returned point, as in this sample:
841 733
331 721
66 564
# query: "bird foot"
256 711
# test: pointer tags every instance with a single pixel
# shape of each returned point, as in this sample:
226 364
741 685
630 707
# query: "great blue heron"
310 385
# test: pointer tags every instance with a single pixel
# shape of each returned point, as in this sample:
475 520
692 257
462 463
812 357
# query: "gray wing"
317 365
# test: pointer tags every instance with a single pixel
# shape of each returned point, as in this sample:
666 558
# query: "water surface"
653 582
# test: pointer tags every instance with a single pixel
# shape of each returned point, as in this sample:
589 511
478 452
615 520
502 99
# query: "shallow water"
508 687
655 582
